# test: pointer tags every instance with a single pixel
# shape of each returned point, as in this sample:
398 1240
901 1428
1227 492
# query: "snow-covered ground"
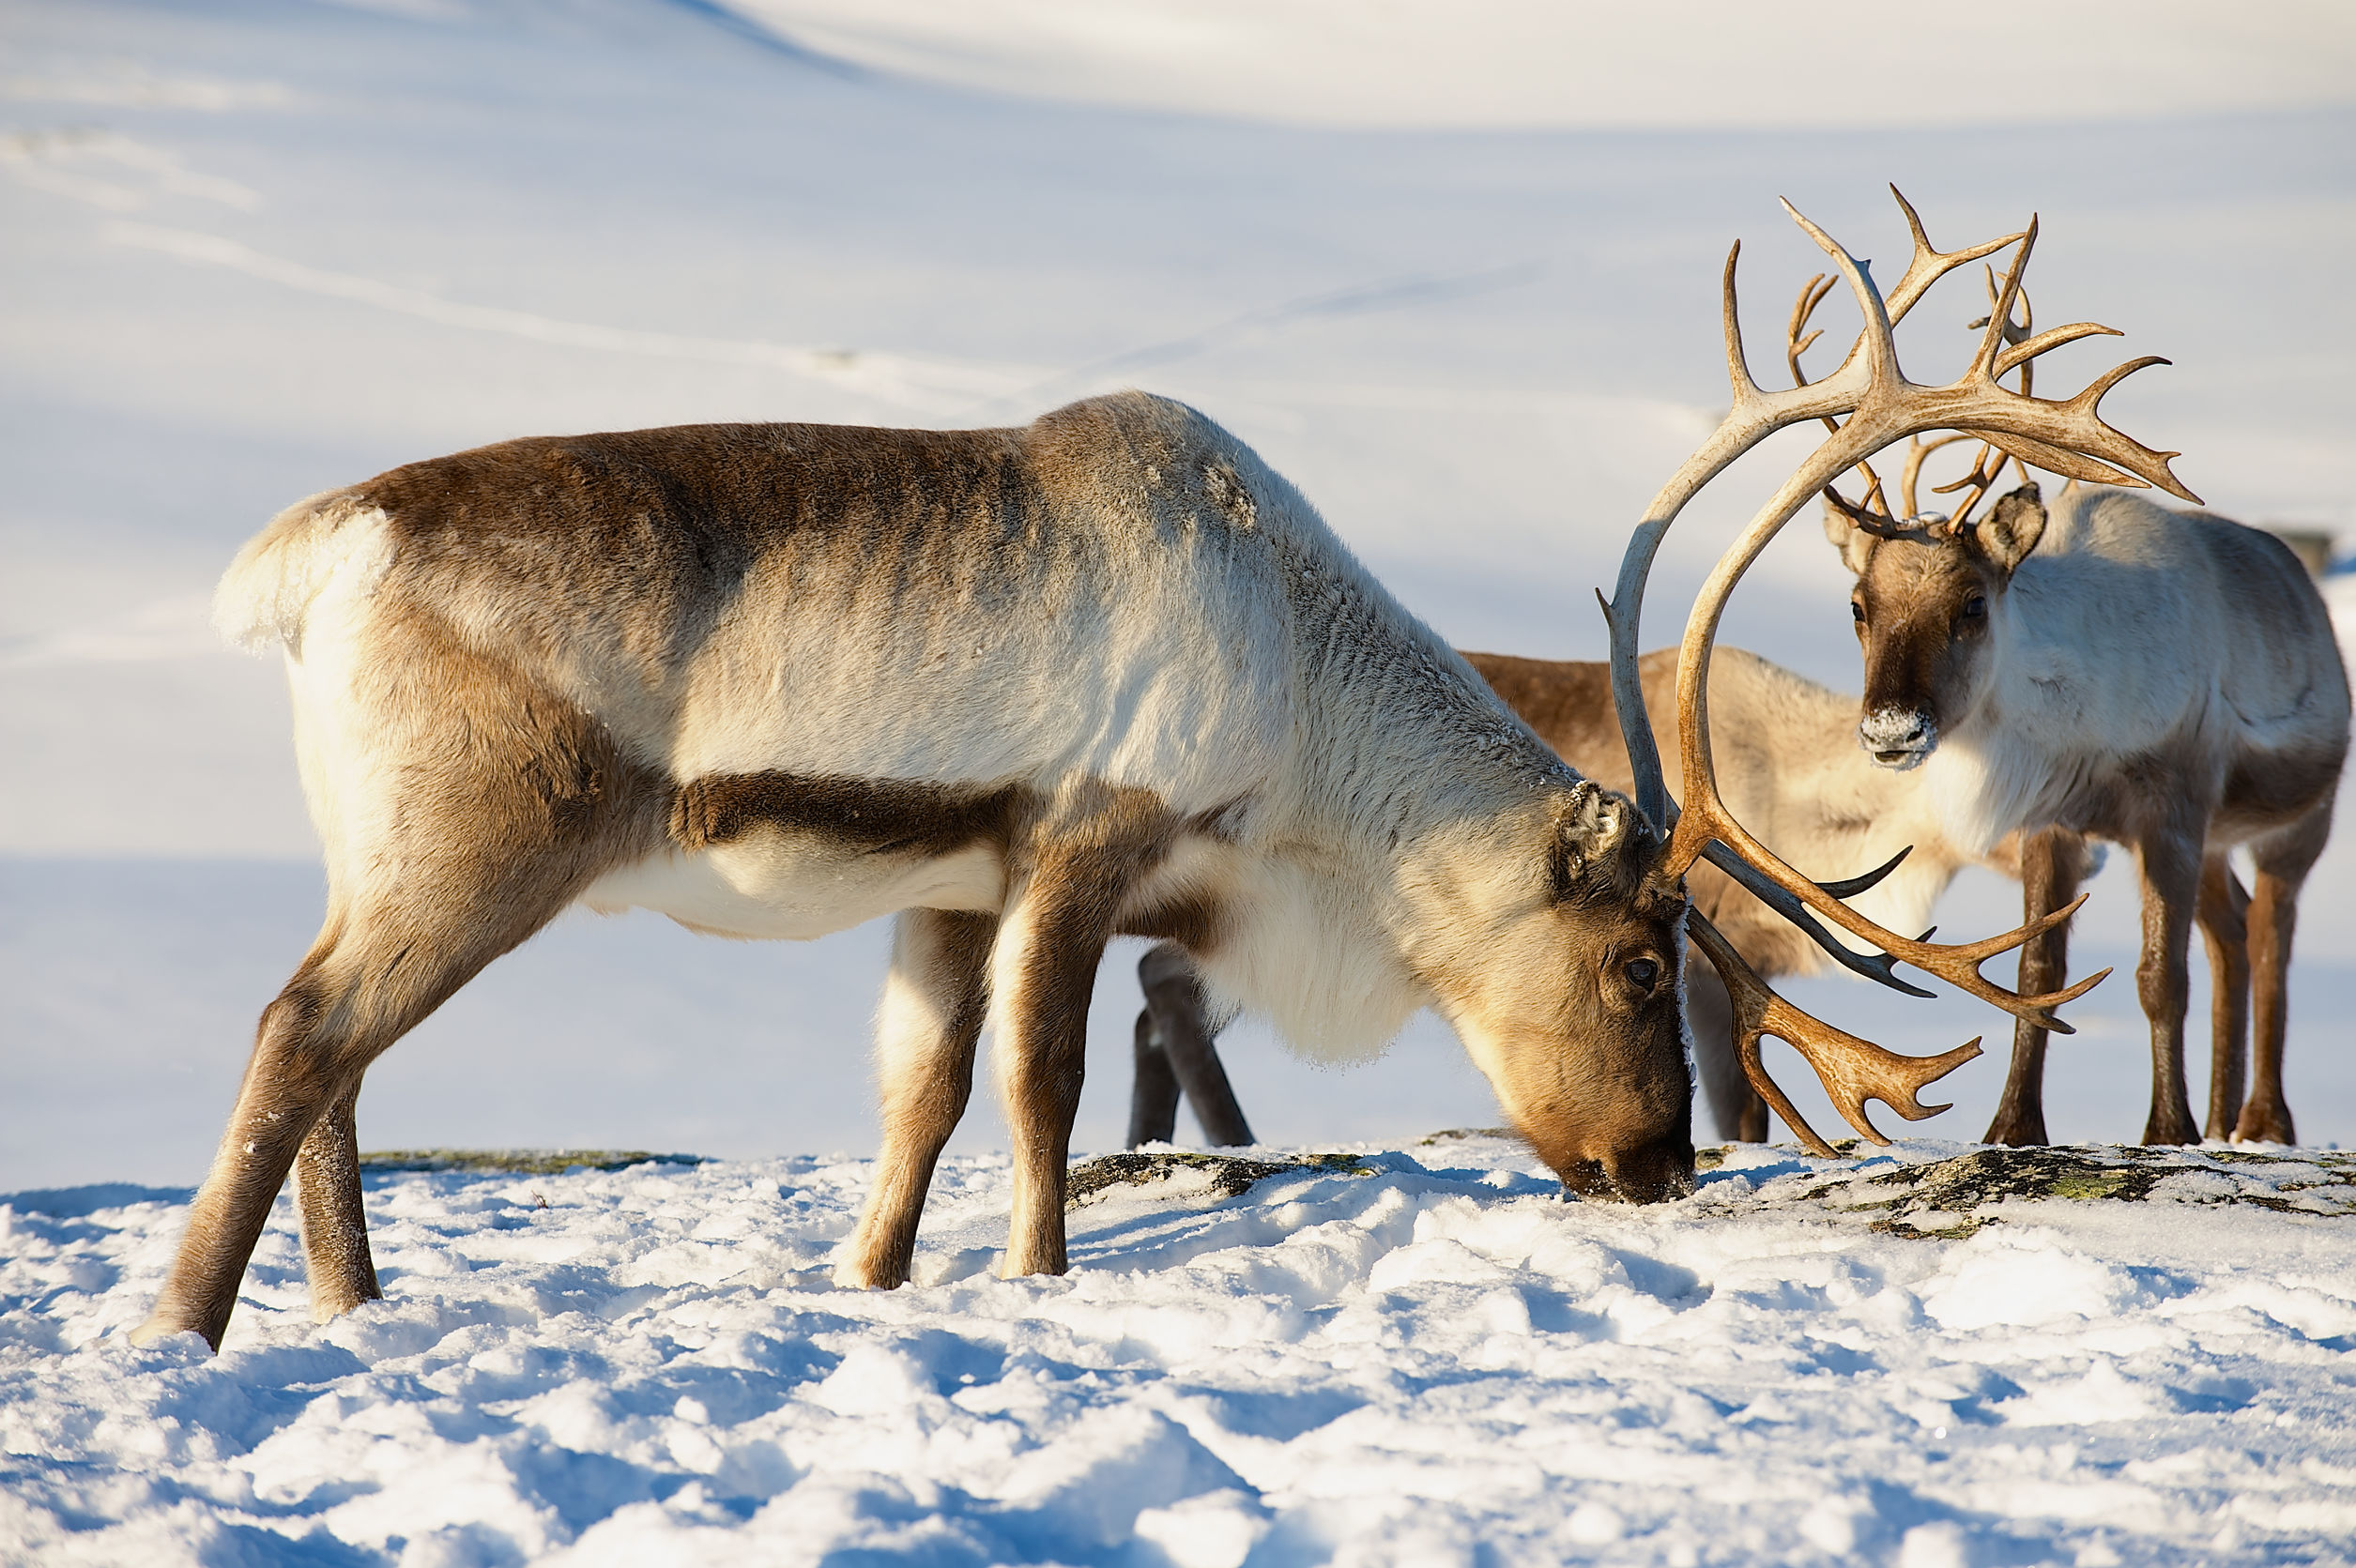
1459 282
1429 1360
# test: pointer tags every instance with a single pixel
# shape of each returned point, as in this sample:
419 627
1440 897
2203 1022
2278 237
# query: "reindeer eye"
1856 612
1642 973
1975 608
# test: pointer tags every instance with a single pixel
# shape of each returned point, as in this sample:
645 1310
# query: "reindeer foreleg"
1063 907
934 1002
2224 930
2052 865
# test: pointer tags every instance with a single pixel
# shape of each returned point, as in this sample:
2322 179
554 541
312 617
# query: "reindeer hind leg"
369 982
480 848
341 1269
2281 861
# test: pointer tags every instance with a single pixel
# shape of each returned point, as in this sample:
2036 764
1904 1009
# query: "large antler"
1869 405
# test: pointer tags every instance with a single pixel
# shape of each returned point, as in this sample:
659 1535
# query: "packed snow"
1417 1356
251 249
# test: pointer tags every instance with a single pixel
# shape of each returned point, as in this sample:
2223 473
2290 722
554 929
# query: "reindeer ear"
1854 542
2007 534
1591 839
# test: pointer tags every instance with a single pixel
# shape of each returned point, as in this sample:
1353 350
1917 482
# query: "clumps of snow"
1424 1356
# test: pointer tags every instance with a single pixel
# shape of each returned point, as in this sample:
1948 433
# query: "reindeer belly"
781 884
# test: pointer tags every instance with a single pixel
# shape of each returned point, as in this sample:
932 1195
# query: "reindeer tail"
267 590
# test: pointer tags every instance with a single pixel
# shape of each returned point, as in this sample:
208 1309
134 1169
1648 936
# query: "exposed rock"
515 1162
1223 1175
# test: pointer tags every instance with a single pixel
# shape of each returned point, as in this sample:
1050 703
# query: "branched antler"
1869 405
1852 1071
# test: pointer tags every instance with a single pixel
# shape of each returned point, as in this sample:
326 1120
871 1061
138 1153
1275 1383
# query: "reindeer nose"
1898 738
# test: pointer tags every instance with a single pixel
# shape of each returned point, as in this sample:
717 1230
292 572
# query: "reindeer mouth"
1661 1178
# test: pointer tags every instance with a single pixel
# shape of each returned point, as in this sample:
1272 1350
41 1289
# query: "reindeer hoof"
2017 1132
2272 1125
158 1329
859 1274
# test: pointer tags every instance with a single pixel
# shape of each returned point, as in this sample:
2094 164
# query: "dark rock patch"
1227 1176
514 1162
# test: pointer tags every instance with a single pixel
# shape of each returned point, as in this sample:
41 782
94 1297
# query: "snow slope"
1431 1360
1674 64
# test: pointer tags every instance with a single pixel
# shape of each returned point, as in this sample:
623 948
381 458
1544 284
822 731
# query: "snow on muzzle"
1898 738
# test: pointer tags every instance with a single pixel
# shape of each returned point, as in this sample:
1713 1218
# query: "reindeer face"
1924 603
1574 1008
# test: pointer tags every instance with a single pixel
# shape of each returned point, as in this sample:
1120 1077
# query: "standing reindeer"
2165 680
1790 769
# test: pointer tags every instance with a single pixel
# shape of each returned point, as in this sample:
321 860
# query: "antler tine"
1929 264
1877 341
1987 467
1811 294
1911 476
1879 523
1729 326
1853 1070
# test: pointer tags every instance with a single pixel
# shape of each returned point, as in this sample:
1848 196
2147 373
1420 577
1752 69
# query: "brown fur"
887 816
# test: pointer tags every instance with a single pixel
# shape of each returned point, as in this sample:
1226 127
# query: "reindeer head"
1929 597
1568 992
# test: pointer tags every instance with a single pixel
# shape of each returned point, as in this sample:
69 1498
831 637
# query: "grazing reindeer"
2165 680
1026 689
1788 768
